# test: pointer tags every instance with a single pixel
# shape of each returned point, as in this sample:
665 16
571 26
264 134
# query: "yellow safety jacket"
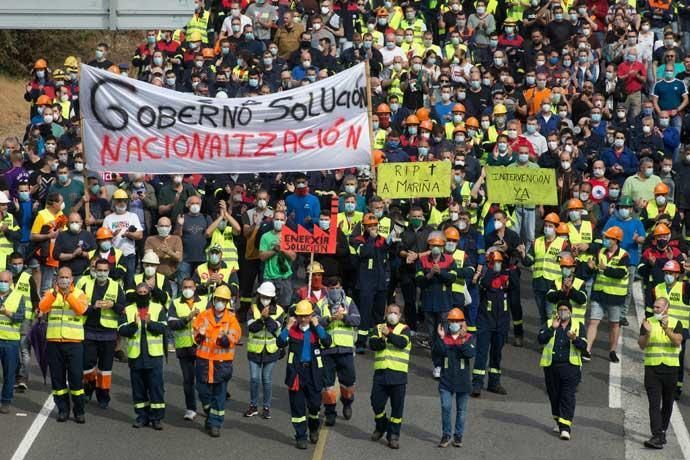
8 329
676 309
546 263
660 349
199 24
257 342
575 358
108 316
183 337
226 240
154 342
579 310
607 285
653 209
584 235
63 322
24 287
392 357
6 246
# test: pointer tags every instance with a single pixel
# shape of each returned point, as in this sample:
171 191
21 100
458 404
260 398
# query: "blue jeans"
9 358
460 411
130 264
261 374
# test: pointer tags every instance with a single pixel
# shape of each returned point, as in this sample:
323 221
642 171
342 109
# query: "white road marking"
615 399
34 429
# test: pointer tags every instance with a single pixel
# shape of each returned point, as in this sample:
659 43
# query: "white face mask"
304 328
149 271
194 208
266 301
658 316
498 224
393 318
187 293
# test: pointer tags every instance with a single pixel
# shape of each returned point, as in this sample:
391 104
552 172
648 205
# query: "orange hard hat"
455 314
382 12
452 234
383 108
114 69
378 157
566 260
671 266
495 256
661 189
44 100
103 233
427 124
369 219
458 108
562 229
436 241
40 64
208 53
661 229
552 218
412 120
574 203
614 232
460 129
472 122
423 113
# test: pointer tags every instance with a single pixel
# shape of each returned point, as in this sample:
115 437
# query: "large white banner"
131 126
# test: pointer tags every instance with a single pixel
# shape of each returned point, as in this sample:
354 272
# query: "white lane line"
615 398
34 429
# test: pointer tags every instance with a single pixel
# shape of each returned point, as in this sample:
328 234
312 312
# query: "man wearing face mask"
23 282
106 303
570 289
72 191
640 187
72 247
620 161
305 340
660 205
214 272
44 232
564 341
194 228
12 315
173 196
126 229
160 290
277 263
318 291
143 323
340 317
660 337
677 292
65 305
654 257
302 206
413 245
168 248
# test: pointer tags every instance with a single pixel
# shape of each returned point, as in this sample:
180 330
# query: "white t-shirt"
123 221
227 24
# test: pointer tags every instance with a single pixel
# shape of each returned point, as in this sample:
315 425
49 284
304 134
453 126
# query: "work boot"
663 437
62 417
676 393
445 441
518 341
313 436
393 442
214 432
498 389
330 419
476 392
655 442
347 411
376 435
80 419
156 425
5 408
301 444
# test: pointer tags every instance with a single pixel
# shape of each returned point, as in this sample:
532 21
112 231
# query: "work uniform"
464 267
575 295
544 256
390 376
562 362
611 284
65 350
262 351
678 296
8 238
472 243
493 323
24 283
113 256
100 329
180 324
339 357
304 375
512 240
226 240
205 286
373 275
10 334
661 363
160 289
578 234
145 357
214 356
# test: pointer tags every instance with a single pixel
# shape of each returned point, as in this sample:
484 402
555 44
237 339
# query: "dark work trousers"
409 292
187 364
148 393
66 363
681 358
247 275
561 382
515 302
342 365
305 405
660 384
489 346
372 305
380 394
98 368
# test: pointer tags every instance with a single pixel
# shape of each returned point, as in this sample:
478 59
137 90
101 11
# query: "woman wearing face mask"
305 340
564 341
391 343
216 331
436 273
263 327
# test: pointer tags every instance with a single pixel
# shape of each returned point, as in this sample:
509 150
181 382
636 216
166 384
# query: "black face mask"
661 244
143 300
305 44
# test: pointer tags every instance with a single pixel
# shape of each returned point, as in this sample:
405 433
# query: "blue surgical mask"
393 144
350 207
669 278
454 328
106 246
566 271
4 286
436 250
606 243
214 259
24 196
497 266
624 213
278 225
596 117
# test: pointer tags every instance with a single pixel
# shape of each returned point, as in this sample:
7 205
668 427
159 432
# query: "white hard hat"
150 257
267 289
3 198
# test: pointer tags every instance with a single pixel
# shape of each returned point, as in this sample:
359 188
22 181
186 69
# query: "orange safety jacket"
209 348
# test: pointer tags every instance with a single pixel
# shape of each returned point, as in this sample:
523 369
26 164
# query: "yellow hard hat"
316 268
71 62
303 308
500 109
222 292
120 195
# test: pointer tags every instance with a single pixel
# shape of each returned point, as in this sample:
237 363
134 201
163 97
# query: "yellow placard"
414 180
521 186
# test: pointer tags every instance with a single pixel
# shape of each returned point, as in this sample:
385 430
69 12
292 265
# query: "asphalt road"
517 425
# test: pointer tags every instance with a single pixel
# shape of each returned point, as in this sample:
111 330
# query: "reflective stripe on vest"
108 316
342 334
459 283
612 286
676 308
653 210
63 322
204 273
574 357
584 235
660 349
546 261
153 342
258 341
24 287
392 357
226 240
183 337
8 329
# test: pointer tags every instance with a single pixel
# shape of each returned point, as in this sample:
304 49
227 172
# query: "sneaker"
613 357
21 387
586 356
556 428
654 443
624 321
518 341
436 372
171 348
498 389
251 411
189 415
565 435
266 413
5 408
457 441
445 441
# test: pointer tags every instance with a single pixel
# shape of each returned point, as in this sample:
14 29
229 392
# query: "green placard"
427 179
521 186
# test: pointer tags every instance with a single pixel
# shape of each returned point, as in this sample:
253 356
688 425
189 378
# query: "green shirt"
278 266
71 193
635 187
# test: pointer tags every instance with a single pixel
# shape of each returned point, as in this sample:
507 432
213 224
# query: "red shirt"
632 83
